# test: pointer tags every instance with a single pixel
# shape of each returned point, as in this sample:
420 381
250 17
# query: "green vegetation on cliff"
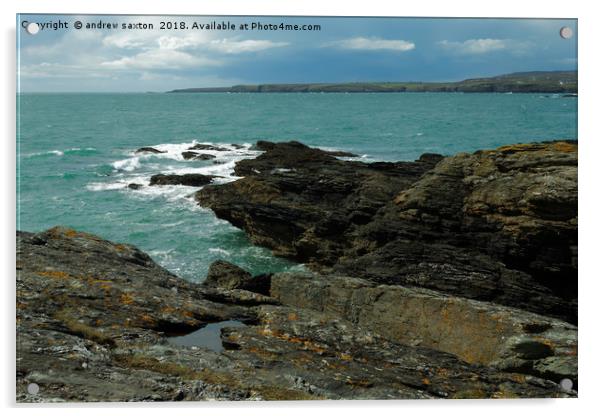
552 82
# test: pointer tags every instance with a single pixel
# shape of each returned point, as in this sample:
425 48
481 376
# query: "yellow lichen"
69 318
55 274
565 147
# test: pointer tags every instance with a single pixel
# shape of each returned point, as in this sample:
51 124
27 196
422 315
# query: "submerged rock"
135 186
149 150
93 319
188 179
497 226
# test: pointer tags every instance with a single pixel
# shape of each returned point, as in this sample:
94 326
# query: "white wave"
49 152
58 152
79 149
139 169
174 150
161 252
127 165
106 186
220 251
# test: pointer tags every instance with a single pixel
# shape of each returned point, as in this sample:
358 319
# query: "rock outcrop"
188 179
94 320
477 332
222 274
149 150
201 146
496 226
197 156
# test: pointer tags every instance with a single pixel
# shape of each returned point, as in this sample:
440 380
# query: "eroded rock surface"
477 332
93 319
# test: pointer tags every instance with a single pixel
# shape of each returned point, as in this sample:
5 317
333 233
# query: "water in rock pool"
208 336
76 155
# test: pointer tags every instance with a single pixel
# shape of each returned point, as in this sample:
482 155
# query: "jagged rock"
263 145
188 179
311 193
225 275
93 319
497 226
201 146
197 156
477 332
135 186
149 150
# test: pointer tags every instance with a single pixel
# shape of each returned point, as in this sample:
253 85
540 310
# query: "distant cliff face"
550 82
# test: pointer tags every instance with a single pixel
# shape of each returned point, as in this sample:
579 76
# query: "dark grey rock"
188 179
149 150
197 156
497 226
225 275
201 146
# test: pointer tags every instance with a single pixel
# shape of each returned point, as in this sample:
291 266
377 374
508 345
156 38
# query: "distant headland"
552 82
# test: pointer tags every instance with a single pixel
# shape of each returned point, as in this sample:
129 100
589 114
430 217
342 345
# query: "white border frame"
589 134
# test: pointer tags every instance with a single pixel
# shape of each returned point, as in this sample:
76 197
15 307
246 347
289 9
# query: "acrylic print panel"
295 208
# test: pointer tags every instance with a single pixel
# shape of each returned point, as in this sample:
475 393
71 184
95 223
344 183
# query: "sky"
342 50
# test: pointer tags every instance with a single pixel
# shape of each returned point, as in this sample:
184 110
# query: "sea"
76 155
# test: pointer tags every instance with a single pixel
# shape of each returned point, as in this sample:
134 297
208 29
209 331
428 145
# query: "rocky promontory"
445 277
497 226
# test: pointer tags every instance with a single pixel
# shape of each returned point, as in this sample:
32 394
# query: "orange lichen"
187 313
305 343
70 233
519 378
126 299
359 383
148 319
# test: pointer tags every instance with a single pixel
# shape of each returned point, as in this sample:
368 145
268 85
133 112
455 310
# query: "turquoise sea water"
76 154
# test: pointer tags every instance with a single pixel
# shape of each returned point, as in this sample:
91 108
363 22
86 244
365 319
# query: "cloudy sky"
344 49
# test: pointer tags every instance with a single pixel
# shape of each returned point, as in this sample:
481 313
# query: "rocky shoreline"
446 277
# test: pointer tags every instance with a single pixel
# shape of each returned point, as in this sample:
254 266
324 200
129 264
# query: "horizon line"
296 83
